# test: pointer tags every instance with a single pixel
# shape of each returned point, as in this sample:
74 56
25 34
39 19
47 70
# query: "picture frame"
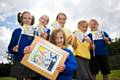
44 58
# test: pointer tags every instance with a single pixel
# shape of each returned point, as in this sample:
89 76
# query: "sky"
107 12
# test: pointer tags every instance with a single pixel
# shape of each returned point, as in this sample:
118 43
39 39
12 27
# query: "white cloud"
5 35
2 18
106 11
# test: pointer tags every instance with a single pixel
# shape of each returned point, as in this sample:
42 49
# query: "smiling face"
61 19
93 25
26 18
83 25
44 20
59 39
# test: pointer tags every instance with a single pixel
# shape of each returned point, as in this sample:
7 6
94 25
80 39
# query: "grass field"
115 75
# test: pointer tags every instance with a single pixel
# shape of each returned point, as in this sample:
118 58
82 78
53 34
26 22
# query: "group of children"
89 51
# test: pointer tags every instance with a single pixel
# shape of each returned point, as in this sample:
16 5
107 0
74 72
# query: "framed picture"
44 58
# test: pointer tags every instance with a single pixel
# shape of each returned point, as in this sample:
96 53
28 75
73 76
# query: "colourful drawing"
43 57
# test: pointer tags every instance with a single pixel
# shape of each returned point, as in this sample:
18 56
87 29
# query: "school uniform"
99 55
40 30
22 40
82 54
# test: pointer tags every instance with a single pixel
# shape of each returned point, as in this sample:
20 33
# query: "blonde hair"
46 17
80 23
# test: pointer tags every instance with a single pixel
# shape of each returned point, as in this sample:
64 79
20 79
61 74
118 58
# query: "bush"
114 61
5 70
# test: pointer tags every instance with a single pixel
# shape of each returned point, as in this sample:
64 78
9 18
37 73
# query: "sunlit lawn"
115 75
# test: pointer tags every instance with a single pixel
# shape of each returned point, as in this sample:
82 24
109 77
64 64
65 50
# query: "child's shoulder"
68 50
89 34
18 30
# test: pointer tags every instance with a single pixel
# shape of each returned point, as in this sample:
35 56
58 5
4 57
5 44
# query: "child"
42 29
21 38
99 53
61 20
67 70
81 49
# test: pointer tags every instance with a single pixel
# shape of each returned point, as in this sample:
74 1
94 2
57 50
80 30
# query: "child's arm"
69 40
13 47
72 40
74 43
87 39
70 64
106 38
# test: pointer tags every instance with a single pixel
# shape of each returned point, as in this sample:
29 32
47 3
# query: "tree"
114 47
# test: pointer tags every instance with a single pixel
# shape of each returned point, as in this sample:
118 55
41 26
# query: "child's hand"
93 46
107 40
69 39
61 68
15 49
74 38
44 35
27 49
87 39
74 42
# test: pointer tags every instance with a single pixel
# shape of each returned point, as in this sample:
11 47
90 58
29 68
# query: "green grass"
115 75
7 78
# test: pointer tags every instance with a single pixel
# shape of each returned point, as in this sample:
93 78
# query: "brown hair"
53 36
80 23
20 17
61 13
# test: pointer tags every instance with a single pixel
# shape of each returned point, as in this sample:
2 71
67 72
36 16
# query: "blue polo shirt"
100 45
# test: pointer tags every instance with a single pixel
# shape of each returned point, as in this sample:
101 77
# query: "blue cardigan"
70 68
25 40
